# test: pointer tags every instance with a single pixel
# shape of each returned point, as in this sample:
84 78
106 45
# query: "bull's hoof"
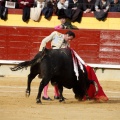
38 101
56 97
27 93
62 100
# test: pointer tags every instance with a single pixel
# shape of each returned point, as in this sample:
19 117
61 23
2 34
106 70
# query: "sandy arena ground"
15 106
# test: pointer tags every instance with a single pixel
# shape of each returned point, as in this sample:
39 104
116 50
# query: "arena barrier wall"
97 42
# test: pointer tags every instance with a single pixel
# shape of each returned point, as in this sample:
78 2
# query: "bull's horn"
96 87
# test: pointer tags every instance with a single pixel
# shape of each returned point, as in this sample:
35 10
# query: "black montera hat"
61 16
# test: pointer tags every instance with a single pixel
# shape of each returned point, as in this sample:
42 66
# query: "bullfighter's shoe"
56 97
44 98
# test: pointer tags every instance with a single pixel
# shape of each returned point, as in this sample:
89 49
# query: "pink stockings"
45 90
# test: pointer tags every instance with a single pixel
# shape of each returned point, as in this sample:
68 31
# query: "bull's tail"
21 65
25 64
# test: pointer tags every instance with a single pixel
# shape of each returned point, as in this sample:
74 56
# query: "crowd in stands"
70 9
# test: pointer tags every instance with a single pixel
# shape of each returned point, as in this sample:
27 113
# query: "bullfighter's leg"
56 92
45 95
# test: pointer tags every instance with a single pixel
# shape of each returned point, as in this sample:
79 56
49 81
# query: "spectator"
35 11
48 9
25 3
88 6
40 4
3 11
64 23
2 3
115 6
101 9
54 3
62 4
76 10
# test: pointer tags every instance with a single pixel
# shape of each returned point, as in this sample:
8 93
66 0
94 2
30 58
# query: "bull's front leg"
60 88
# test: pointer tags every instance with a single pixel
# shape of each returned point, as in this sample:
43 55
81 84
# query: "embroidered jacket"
57 41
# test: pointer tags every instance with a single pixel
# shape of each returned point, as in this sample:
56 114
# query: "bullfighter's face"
68 38
62 20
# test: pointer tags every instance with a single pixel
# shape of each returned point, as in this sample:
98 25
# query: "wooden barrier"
94 46
20 41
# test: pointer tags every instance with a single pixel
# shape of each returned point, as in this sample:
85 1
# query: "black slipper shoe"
44 98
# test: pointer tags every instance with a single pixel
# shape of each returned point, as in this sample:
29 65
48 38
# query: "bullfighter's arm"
47 39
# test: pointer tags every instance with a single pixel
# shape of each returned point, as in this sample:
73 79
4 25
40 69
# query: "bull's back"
61 59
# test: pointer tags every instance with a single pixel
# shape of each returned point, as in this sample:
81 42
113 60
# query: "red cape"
100 96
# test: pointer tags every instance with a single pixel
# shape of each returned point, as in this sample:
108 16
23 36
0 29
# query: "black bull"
56 66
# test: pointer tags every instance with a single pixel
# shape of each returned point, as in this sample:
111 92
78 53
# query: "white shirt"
62 6
57 40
